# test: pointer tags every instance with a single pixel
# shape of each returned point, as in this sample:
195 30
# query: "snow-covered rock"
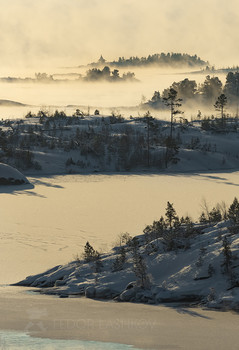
11 176
103 292
90 292
128 294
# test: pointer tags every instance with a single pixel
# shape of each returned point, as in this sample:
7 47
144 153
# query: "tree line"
96 74
159 59
205 93
171 233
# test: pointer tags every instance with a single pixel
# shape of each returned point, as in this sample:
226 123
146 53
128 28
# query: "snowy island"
59 144
174 260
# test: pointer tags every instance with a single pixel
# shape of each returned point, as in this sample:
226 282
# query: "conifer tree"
173 102
90 254
170 215
140 270
220 105
233 212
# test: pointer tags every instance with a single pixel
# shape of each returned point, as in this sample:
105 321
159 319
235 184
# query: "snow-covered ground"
88 144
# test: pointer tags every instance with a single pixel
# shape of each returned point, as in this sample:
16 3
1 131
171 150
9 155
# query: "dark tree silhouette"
186 88
173 102
211 88
227 255
220 104
150 125
170 214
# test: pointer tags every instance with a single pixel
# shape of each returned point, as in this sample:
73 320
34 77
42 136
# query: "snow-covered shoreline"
192 273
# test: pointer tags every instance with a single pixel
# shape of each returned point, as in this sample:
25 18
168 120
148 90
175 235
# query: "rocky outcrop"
11 176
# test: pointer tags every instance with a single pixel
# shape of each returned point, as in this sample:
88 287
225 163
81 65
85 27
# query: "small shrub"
227 261
202 253
211 271
98 264
120 260
211 295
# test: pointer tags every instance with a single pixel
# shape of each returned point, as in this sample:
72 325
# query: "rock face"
11 176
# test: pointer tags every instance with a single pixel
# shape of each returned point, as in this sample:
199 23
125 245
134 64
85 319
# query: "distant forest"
94 74
205 93
162 59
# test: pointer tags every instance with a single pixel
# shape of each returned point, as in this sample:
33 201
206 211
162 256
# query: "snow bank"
11 176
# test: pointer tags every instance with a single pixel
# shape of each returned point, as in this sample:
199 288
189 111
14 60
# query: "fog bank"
59 32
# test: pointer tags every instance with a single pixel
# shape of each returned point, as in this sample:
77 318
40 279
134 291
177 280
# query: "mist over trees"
96 74
91 75
231 88
162 60
200 94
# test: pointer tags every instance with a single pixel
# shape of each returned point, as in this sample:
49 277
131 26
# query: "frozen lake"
81 323
20 340
50 223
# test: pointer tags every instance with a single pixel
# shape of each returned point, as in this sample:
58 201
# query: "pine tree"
233 212
90 254
149 120
220 105
172 101
170 215
215 215
140 270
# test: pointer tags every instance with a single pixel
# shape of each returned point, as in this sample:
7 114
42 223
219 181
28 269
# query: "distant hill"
9 103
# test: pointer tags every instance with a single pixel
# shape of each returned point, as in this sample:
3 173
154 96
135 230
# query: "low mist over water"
123 97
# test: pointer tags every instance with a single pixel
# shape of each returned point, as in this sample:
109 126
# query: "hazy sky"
71 32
